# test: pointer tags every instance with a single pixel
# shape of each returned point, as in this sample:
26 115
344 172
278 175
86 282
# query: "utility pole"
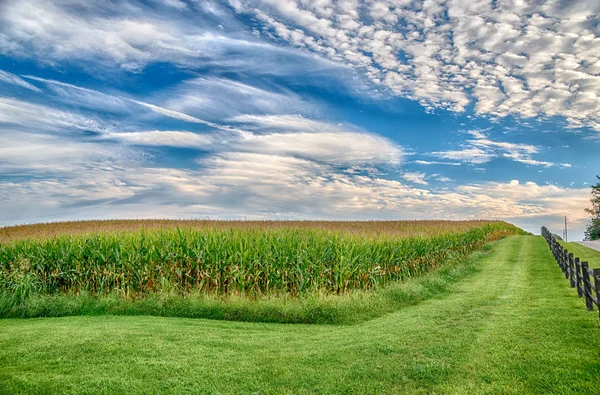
566 231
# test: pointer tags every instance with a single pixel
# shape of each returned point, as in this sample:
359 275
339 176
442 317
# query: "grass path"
514 327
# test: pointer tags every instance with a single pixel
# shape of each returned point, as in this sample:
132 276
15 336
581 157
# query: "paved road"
591 244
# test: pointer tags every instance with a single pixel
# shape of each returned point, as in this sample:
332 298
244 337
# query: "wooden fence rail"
580 276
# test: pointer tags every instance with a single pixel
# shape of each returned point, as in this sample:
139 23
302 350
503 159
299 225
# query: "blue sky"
299 109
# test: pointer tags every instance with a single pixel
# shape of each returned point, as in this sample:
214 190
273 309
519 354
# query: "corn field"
370 229
237 260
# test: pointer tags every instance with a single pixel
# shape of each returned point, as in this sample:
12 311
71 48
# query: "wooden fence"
580 276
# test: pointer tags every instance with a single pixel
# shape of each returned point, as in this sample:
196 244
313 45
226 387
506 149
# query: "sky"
300 109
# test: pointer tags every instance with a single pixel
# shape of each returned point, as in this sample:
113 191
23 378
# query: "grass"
585 254
514 327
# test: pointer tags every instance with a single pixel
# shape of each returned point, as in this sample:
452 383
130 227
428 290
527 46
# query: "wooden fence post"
587 289
571 271
578 277
558 255
566 263
596 273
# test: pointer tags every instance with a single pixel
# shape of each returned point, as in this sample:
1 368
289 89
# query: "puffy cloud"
504 57
507 57
260 185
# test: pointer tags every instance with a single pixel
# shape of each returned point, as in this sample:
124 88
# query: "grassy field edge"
583 253
358 306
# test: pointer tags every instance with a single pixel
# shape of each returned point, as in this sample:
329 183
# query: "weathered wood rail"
580 276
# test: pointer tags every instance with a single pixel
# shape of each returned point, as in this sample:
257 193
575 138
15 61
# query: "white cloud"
480 149
43 154
296 136
268 160
164 138
12 79
344 148
131 35
428 163
258 185
523 58
96 100
286 123
416 178
37 116
180 5
472 155
218 98
171 113
273 166
287 167
521 200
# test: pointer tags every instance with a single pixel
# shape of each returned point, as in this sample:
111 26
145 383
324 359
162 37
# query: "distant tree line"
592 231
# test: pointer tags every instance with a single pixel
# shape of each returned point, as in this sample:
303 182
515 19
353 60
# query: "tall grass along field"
133 260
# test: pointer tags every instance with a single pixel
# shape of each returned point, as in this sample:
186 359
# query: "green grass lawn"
584 253
514 327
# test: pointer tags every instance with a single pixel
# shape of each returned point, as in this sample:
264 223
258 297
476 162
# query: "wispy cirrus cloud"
164 138
219 98
415 177
429 163
93 99
481 149
53 155
41 117
130 35
13 79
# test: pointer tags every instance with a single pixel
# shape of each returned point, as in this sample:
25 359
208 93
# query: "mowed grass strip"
515 327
